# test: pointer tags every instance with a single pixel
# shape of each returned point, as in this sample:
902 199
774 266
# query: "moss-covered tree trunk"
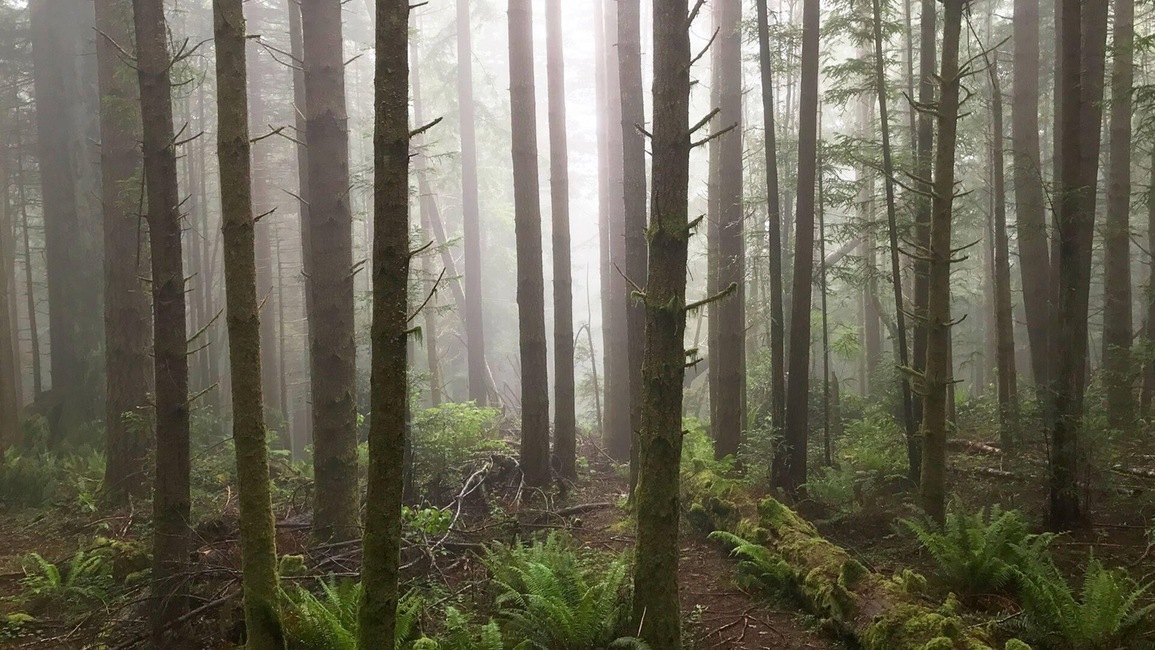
937 376
663 367
565 424
263 630
527 224
332 347
389 385
170 497
127 326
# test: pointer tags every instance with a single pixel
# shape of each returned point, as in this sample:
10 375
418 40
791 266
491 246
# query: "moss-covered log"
879 612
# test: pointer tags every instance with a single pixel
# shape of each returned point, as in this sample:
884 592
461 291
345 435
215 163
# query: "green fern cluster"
85 579
982 552
551 597
328 621
758 566
1104 615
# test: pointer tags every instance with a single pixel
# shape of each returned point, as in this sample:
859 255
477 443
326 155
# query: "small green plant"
1104 615
980 553
431 522
328 621
445 440
838 487
86 578
758 566
552 597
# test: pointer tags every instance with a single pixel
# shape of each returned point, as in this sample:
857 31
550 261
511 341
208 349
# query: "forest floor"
718 611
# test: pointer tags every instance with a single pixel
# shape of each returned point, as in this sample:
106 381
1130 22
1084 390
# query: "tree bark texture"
565 418
923 171
535 463
331 332
377 616
170 497
663 369
263 628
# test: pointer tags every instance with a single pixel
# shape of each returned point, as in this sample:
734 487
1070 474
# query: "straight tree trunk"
264 206
389 389
333 351
923 172
9 345
565 417
263 629
790 471
902 358
56 91
1148 390
731 352
29 285
1003 307
1117 233
535 463
300 127
605 202
937 378
471 219
663 368
1030 210
617 369
127 324
1081 69
629 49
774 207
170 496
428 210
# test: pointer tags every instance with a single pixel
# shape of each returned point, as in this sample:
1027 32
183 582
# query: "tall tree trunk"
128 328
1034 256
909 424
731 352
29 285
663 368
300 126
57 91
1081 68
790 472
1148 391
428 210
263 629
264 206
938 372
619 441
389 391
605 193
774 207
333 351
170 497
1003 307
629 51
923 171
471 219
9 346
565 424
527 223
1117 233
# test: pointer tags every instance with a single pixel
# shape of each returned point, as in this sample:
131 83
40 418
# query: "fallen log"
878 612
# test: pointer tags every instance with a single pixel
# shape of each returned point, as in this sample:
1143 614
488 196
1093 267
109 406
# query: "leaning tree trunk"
1117 375
774 207
565 425
471 220
170 497
377 616
127 326
731 354
790 472
937 377
663 368
333 350
263 629
1081 67
527 223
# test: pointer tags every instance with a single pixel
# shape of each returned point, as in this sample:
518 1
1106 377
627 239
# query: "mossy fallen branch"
784 550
